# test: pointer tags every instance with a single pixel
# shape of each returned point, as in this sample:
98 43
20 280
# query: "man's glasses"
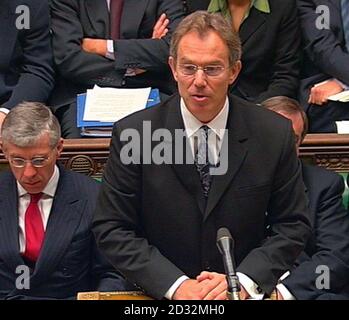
38 162
191 69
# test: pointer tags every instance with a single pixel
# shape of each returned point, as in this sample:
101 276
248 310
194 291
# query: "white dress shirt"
45 205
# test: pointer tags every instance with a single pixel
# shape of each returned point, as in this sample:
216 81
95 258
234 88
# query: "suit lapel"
255 20
64 218
132 15
233 152
9 238
185 172
98 15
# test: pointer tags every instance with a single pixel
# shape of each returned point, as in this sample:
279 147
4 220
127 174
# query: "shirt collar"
217 125
221 6
50 188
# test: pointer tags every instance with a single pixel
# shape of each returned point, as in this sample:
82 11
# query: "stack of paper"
99 108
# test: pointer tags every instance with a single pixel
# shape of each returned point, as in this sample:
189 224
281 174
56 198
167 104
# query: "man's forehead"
39 146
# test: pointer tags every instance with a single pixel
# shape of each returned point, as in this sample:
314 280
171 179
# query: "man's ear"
172 64
235 70
60 147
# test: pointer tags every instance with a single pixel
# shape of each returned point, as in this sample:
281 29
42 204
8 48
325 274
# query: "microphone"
225 244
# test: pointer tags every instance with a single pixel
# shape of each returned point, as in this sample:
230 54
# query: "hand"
279 296
160 29
194 290
220 291
96 46
320 92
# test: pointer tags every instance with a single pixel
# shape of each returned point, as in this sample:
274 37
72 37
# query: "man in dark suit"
26 72
322 270
269 33
162 202
47 249
88 52
326 62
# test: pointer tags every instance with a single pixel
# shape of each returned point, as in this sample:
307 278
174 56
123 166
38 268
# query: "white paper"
342 126
112 104
341 97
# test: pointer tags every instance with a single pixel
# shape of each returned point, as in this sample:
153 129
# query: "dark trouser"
66 116
322 119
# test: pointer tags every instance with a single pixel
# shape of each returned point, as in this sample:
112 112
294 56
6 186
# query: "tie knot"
34 198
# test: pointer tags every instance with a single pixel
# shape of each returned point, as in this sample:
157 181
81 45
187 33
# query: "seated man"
328 247
47 249
100 43
270 39
26 72
326 62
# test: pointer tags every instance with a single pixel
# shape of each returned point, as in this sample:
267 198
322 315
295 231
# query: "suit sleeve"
118 227
287 221
88 69
72 62
286 67
36 70
149 54
332 247
321 45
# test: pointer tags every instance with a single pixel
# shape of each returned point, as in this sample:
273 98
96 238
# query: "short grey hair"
29 121
203 22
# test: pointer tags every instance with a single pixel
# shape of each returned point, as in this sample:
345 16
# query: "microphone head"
223 233
225 241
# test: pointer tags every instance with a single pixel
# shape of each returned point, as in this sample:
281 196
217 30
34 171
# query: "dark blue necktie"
345 19
202 160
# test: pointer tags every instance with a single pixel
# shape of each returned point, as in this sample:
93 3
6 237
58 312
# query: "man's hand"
194 290
320 92
96 46
279 296
160 29
219 292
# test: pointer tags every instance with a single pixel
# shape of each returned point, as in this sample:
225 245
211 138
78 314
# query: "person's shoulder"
320 175
258 117
82 182
5 175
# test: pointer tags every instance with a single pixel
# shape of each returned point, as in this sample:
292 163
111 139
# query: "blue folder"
100 128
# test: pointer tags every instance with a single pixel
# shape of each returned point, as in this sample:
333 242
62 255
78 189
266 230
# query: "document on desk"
113 104
341 97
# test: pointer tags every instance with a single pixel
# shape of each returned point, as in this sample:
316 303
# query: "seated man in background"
26 72
328 247
110 43
326 61
270 39
47 249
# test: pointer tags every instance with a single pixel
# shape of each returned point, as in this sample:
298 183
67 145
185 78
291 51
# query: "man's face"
204 95
33 179
298 125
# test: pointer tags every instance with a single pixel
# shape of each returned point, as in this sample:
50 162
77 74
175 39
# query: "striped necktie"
202 160
345 19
